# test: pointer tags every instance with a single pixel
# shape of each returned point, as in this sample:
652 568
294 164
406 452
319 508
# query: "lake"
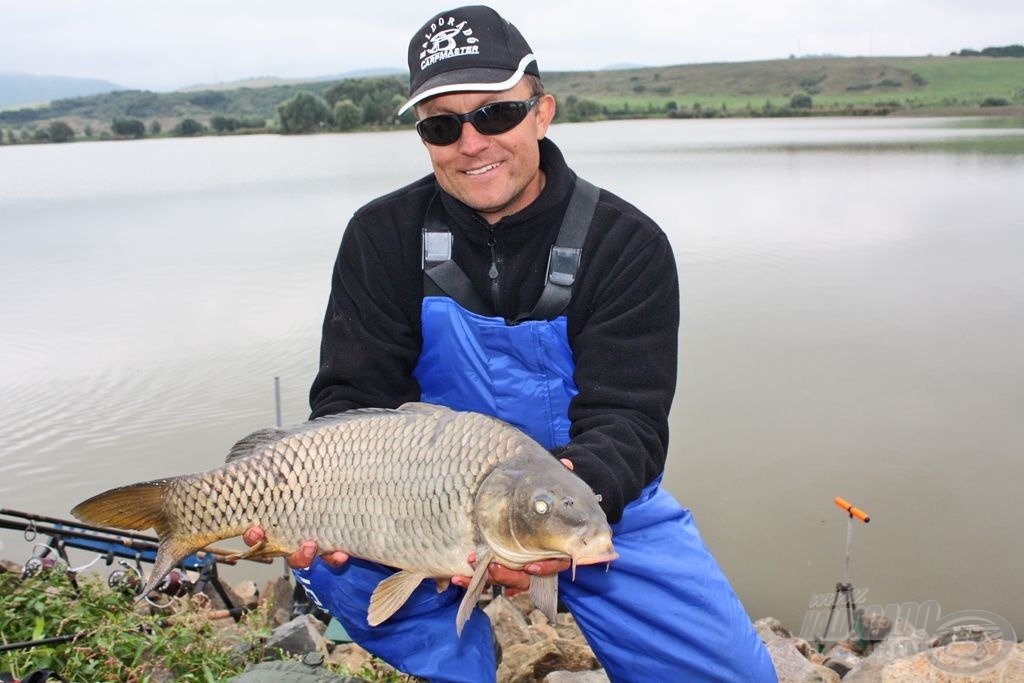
852 325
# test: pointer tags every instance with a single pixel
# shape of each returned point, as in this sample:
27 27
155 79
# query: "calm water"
853 319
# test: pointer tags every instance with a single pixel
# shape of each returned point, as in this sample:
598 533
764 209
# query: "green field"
911 82
834 85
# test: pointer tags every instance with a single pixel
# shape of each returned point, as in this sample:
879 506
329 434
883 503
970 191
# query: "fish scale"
419 488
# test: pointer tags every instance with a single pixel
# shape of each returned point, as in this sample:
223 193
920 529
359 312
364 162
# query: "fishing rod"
65 528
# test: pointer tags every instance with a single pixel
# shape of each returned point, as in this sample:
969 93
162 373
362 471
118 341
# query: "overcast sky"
187 42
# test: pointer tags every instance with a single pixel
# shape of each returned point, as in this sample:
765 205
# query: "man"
502 283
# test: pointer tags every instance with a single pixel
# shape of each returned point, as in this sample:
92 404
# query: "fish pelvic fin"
390 594
139 507
544 593
475 590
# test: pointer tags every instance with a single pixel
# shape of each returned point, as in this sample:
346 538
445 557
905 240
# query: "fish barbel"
418 488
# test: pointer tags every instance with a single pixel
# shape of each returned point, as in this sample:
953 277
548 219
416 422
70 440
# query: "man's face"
496 175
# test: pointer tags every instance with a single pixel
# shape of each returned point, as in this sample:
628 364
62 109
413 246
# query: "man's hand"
301 558
515 581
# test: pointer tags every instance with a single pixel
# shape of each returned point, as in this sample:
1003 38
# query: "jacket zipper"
493 272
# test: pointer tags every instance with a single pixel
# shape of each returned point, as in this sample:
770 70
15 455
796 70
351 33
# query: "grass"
118 643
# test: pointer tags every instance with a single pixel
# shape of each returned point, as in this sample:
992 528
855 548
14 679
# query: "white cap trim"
465 87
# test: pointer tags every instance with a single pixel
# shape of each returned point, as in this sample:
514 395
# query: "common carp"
418 488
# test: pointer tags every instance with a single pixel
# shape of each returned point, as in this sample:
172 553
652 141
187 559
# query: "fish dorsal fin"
475 590
254 442
390 594
420 407
544 593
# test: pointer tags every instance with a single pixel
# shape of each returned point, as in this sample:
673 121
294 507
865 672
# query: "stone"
350 656
770 628
247 593
510 626
12 567
279 592
793 667
841 658
990 661
598 676
300 635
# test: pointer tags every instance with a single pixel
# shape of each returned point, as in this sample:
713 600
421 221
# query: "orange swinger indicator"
854 511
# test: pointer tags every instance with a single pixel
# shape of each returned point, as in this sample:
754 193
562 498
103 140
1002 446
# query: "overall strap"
442 276
564 257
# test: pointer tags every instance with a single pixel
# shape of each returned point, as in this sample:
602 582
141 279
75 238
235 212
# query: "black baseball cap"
466 49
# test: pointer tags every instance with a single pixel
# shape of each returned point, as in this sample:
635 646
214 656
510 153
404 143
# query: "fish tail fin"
141 507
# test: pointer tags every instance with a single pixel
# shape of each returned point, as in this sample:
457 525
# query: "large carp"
418 488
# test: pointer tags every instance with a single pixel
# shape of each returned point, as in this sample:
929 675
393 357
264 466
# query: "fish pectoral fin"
475 590
442 584
544 593
390 594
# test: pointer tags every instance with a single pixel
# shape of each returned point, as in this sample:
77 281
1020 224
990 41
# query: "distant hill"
271 81
16 88
811 85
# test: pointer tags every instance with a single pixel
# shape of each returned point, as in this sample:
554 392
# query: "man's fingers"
253 535
335 559
303 557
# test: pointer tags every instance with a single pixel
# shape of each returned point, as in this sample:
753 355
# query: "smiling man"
505 284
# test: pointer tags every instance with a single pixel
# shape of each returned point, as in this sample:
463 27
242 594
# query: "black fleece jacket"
622 321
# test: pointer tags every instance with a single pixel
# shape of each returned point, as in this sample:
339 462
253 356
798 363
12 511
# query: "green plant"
109 641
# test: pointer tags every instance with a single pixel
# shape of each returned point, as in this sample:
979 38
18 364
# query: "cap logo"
442 42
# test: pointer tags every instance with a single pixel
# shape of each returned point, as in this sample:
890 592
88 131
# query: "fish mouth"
595 558
597 551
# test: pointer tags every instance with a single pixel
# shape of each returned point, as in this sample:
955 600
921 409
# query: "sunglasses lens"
440 130
490 119
495 119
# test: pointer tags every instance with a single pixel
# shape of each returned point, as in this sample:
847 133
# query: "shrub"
995 102
60 132
801 100
189 128
128 128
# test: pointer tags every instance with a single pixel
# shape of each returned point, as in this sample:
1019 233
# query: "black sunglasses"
491 119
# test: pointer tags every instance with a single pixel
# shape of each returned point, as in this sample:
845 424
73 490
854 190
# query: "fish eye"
542 504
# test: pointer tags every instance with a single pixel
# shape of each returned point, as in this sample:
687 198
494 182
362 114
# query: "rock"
216 602
990 661
576 655
770 628
280 594
529 662
350 656
300 635
874 626
793 667
12 567
510 626
247 593
841 658
576 677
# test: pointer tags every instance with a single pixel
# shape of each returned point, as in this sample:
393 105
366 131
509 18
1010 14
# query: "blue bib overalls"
662 612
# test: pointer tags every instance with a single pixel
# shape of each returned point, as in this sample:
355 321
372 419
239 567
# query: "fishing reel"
175 585
38 565
42 562
127 579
